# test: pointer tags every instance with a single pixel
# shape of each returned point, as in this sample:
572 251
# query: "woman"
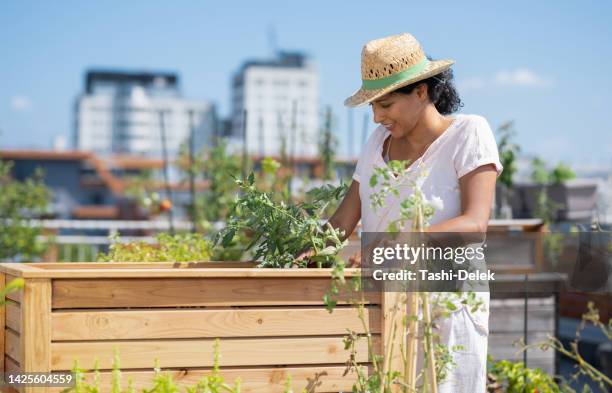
412 99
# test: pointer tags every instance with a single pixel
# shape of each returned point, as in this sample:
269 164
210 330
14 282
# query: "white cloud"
520 77
473 83
20 103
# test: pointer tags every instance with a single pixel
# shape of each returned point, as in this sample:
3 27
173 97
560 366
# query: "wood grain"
199 353
3 318
194 323
172 292
119 270
36 329
11 367
321 379
13 345
13 316
15 295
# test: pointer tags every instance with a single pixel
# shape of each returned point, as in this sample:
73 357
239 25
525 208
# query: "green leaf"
373 180
451 306
228 237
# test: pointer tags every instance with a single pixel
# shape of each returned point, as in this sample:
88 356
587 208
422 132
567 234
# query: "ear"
421 91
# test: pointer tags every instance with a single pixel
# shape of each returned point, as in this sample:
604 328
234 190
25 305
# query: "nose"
378 113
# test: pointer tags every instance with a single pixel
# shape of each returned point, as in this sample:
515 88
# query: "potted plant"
572 199
508 151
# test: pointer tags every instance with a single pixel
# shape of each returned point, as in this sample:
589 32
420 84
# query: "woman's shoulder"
475 145
471 127
471 121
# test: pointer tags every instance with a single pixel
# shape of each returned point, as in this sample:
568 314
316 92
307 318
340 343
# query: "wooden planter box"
271 323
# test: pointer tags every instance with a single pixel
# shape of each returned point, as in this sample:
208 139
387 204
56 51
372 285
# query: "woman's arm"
477 192
348 213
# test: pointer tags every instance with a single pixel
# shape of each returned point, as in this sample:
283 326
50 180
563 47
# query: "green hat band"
392 79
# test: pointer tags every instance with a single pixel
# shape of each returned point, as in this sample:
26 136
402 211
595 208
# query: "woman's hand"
355 260
303 257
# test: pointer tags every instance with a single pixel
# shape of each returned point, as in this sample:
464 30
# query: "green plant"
558 175
12 286
20 202
274 179
516 378
545 209
508 152
76 253
591 316
188 247
219 168
280 231
562 173
539 173
162 382
327 147
416 208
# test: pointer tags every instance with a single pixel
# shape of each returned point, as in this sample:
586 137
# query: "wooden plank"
16 295
13 316
143 265
172 292
10 367
13 347
36 328
321 379
31 270
18 269
10 268
183 273
199 353
158 324
2 323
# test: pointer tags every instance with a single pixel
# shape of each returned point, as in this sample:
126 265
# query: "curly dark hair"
441 91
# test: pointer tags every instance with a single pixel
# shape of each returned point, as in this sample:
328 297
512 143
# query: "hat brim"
362 97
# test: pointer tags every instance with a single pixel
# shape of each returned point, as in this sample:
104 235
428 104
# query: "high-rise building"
281 101
120 112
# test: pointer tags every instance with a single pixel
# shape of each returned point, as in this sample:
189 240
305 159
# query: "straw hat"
390 63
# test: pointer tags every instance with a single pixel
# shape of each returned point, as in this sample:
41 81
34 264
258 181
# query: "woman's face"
399 113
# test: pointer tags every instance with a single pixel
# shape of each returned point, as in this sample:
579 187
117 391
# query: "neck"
430 126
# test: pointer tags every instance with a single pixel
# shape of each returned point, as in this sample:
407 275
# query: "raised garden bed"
270 322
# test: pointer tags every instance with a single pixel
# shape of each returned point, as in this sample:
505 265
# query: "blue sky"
546 65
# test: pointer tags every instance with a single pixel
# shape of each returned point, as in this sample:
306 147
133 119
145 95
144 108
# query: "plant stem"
429 346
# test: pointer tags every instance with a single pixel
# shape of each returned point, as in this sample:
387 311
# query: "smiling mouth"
388 126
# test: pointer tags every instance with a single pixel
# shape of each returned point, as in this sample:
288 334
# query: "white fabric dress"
465 145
